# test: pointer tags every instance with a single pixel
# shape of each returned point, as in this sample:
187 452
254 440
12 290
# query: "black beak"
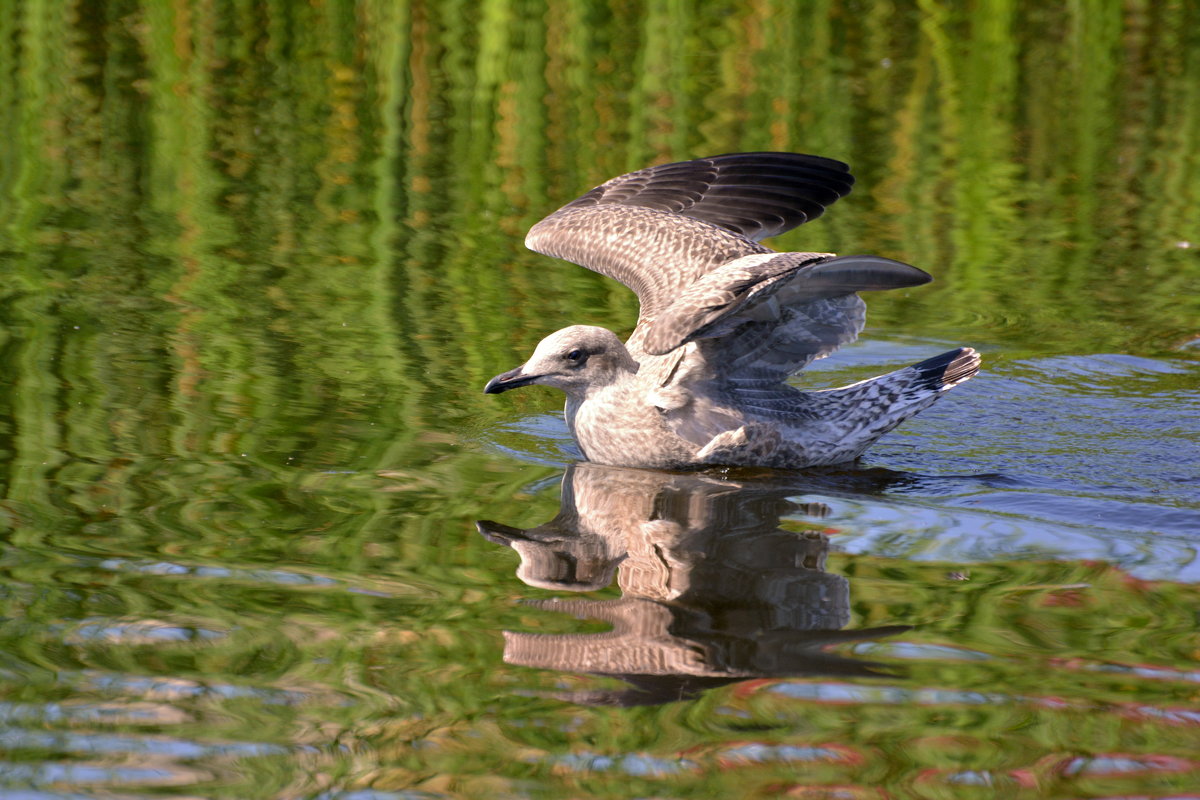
499 533
509 380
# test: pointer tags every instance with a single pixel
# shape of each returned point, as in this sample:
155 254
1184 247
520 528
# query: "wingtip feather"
875 273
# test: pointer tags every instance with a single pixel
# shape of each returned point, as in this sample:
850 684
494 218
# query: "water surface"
263 536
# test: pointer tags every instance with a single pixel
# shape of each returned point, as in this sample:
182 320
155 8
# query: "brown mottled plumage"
723 322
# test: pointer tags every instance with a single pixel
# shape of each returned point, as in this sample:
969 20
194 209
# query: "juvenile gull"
724 321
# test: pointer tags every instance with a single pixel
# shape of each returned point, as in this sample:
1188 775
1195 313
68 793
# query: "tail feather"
947 370
867 410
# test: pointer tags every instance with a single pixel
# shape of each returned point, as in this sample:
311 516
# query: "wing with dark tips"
756 195
760 318
658 229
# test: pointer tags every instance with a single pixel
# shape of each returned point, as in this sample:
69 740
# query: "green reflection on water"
257 260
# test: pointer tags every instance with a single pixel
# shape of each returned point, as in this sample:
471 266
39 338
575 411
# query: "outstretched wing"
659 229
756 195
760 318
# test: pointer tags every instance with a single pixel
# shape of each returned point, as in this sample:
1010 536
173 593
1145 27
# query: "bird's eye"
574 355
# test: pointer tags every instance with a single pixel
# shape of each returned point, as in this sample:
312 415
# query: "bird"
723 322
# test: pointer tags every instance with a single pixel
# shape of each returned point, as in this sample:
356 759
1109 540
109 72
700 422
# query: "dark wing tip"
756 194
782 157
866 273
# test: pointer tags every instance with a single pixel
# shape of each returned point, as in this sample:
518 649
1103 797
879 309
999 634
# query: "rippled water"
261 535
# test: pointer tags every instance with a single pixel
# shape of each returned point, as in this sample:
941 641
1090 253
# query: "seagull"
723 321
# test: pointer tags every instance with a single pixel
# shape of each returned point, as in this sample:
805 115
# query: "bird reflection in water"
715 591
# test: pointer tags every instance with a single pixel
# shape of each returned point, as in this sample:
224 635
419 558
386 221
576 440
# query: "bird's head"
577 360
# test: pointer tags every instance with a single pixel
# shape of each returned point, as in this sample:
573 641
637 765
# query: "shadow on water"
715 589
